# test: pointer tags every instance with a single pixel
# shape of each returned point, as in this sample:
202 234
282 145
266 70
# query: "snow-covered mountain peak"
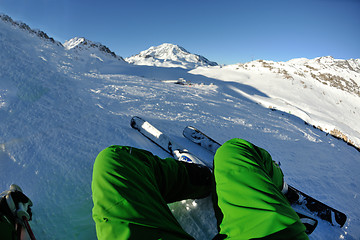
81 43
166 50
297 61
325 60
169 55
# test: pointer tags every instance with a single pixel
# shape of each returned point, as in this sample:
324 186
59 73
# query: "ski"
299 199
164 141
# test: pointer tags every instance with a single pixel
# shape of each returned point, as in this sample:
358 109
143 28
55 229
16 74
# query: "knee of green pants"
239 152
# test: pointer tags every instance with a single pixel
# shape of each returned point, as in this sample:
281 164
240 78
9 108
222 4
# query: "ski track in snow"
59 110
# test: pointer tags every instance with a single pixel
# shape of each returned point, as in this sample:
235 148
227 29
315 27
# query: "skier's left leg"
131 190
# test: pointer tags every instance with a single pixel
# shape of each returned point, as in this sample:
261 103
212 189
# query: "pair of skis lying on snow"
302 202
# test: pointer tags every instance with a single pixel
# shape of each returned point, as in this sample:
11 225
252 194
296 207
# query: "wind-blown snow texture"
59 108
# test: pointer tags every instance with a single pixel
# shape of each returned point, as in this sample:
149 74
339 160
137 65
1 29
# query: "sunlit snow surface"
59 109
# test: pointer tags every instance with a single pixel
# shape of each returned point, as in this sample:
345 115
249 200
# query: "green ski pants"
132 187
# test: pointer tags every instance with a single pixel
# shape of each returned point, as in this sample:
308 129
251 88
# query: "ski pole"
28 228
24 215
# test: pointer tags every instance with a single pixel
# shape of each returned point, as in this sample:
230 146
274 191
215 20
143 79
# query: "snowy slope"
324 92
169 55
59 109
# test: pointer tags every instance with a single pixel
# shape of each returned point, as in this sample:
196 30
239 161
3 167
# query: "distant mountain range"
337 73
165 55
171 55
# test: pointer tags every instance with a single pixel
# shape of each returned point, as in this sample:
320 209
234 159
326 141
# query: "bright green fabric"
131 189
248 201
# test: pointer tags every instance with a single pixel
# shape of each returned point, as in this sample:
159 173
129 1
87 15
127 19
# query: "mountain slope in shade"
169 55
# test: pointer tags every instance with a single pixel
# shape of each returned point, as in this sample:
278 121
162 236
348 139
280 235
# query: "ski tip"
187 129
136 117
134 122
333 216
338 218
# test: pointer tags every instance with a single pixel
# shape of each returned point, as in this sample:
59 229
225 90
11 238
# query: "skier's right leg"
131 190
248 201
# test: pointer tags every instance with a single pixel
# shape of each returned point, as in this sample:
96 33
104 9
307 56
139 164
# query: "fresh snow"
59 108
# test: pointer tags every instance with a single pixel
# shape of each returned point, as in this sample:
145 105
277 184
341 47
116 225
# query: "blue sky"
228 31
